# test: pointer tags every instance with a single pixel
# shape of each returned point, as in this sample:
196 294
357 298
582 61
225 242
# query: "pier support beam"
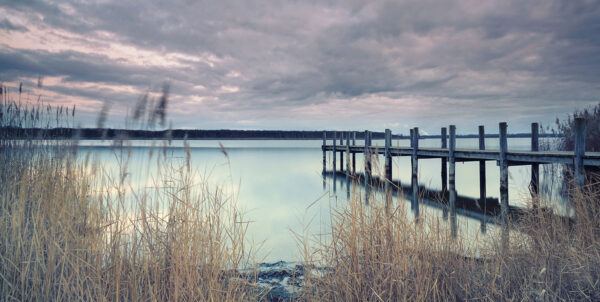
348 165
388 155
347 153
324 152
334 153
415 171
534 185
444 163
482 179
452 178
341 152
388 167
334 162
367 157
579 173
353 154
505 239
503 172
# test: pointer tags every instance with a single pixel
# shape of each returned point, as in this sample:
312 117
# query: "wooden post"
444 163
482 178
579 173
503 172
388 155
341 152
415 171
347 153
388 167
347 165
451 180
334 152
534 186
367 157
324 152
354 154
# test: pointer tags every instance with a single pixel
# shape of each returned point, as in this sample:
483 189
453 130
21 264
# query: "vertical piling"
368 156
444 163
415 171
579 173
388 155
353 154
341 152
451 180
347 153
348 165
324 152
482 179
534 185
503 172
334 152
388 167
334 162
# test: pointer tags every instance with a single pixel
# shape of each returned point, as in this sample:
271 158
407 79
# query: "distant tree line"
177 134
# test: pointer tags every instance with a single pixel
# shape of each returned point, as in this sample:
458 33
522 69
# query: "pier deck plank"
513 156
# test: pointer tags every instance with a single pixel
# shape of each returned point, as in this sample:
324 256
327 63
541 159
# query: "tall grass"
376 253
70 229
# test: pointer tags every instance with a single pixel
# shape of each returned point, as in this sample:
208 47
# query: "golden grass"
70 230
378 254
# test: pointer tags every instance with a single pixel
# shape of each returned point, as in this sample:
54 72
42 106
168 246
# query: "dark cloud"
7 25
261 57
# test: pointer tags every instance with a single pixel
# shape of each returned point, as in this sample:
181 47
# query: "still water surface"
279 186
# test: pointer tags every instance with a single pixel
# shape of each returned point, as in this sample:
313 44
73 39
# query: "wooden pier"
449 155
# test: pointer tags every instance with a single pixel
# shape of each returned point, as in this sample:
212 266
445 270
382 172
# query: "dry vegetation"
380 255
72 231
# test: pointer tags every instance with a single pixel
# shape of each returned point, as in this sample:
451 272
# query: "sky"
309 65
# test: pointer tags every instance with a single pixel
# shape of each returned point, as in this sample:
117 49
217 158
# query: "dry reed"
378 254
72 230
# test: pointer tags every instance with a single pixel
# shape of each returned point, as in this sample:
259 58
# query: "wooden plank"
503 172
482 178
579 153
444 162
534 185
415 170
515 157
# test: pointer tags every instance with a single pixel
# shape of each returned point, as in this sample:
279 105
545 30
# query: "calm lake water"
279 186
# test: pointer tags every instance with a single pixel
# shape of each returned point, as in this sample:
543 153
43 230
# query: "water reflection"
281 188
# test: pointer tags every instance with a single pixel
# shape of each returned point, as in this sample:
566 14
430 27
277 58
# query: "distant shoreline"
222 134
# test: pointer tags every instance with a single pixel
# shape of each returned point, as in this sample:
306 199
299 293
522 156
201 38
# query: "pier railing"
449 155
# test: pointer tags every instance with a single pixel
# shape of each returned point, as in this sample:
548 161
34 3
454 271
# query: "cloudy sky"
310 64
